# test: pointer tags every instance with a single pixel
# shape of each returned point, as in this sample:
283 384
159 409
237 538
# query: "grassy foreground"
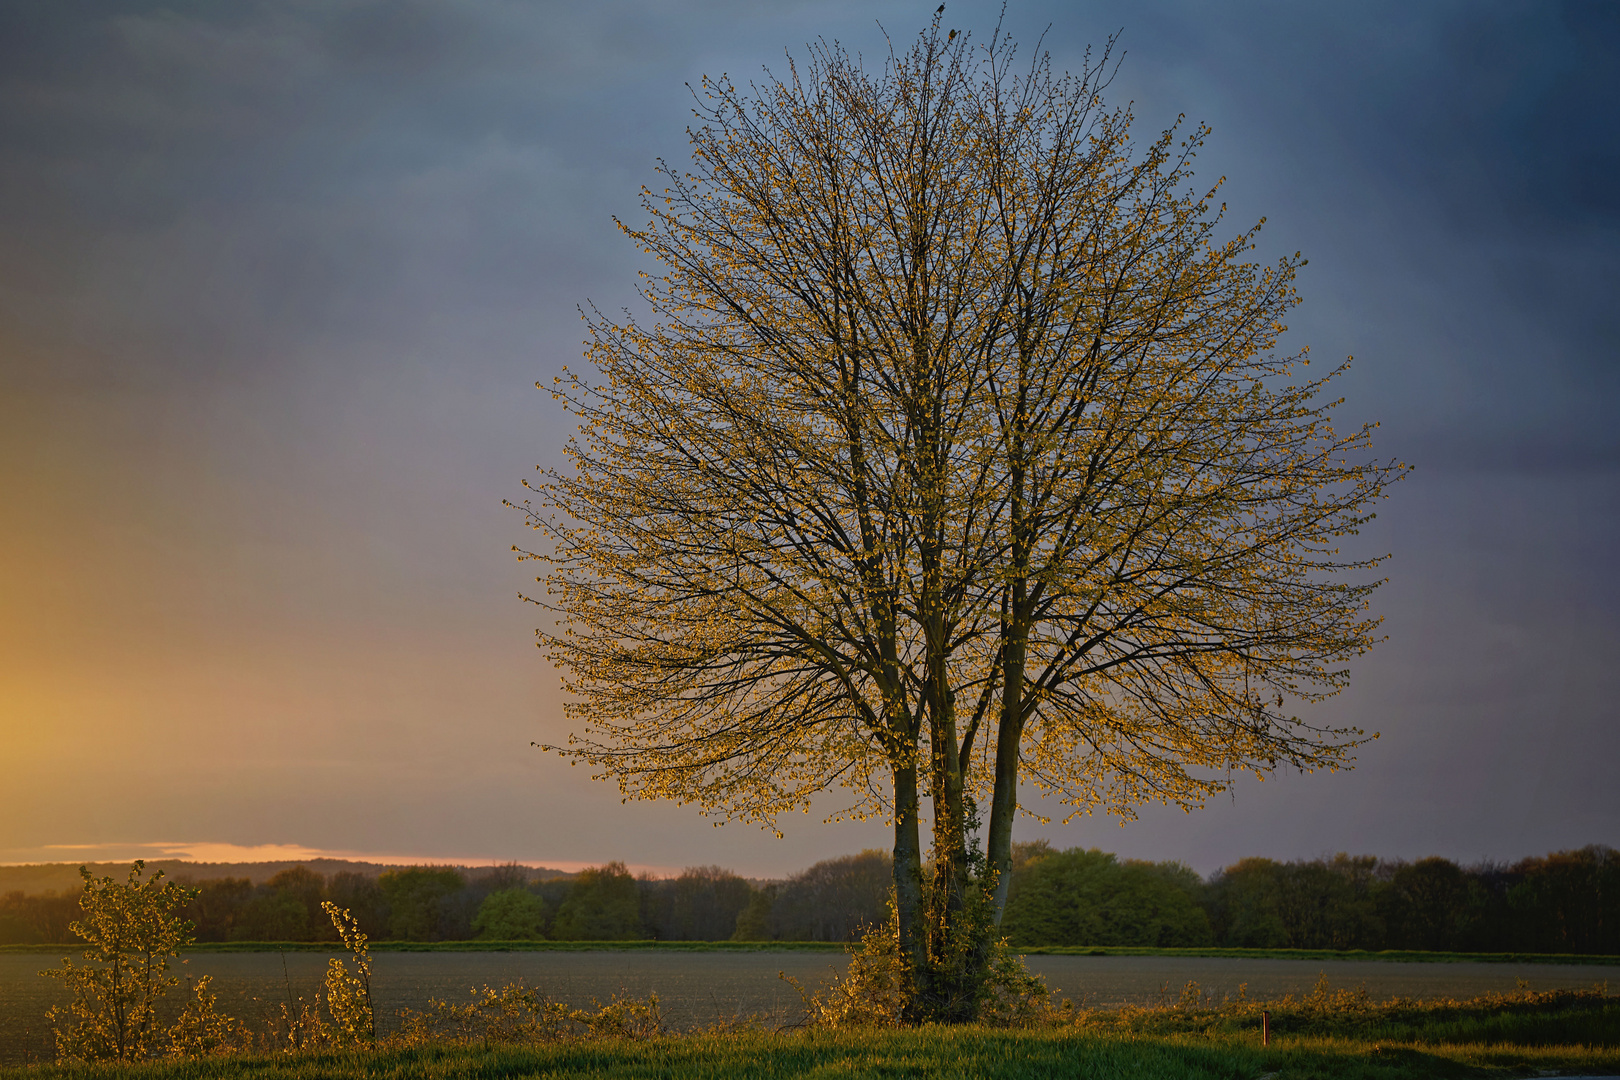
926 1052
1406 956
1327 1034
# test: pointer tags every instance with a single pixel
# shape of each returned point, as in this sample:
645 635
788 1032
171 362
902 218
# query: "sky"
277 280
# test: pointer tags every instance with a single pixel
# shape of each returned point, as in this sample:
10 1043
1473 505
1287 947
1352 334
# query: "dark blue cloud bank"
275 280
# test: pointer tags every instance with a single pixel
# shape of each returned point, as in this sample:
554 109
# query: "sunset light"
942 480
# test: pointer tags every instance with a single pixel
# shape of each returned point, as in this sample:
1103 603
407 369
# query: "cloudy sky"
277 279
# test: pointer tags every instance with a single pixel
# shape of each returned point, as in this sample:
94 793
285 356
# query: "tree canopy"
956 449
1080 897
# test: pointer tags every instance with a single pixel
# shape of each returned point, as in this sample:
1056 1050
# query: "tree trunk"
954 975
908 883
1009 736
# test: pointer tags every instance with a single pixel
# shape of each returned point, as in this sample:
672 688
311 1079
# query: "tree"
27 920
362 897
514 914
1568 901
508 876
220 907
273 915
131 930
419 901
1326 903
1331 903
1079 897
957 451
308 888
1246 899
754 921
834 900
603 905
702 904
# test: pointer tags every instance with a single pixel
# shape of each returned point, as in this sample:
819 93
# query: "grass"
477 946
1326 1034
926 1052
1526 1017
1394 955
1397 955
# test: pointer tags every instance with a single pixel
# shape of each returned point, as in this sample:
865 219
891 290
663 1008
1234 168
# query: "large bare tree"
956 449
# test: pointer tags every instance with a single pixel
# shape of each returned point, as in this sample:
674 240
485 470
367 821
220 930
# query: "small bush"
516 1014
203 1031
876 989
131 931
874 992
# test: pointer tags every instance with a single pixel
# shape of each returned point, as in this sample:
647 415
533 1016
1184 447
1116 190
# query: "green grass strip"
1406 956
920 1053
480 946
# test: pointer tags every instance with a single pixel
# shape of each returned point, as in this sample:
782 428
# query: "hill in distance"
37 878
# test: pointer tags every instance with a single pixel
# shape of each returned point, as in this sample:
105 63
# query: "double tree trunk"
946 927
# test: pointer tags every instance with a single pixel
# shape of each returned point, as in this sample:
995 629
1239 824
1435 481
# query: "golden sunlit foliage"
348 993
131 930
957 447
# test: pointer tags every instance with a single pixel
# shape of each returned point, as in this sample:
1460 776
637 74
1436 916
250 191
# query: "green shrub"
511 915
603 905
876 990
1079 897
132 930
419 901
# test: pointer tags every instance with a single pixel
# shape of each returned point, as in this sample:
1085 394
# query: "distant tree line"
831 901
1567 902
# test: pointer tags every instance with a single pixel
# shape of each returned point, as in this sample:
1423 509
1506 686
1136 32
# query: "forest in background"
63 877
1564 902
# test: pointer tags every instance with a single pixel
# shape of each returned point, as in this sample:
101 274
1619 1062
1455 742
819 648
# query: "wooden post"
1265 1028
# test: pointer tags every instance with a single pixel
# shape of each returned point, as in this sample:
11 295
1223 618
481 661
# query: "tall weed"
348 993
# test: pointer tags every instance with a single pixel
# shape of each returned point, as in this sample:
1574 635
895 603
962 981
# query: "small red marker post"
1265 1028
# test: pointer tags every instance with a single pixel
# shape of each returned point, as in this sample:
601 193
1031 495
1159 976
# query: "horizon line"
209 851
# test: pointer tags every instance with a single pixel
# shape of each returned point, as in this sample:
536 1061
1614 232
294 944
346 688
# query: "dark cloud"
275 280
